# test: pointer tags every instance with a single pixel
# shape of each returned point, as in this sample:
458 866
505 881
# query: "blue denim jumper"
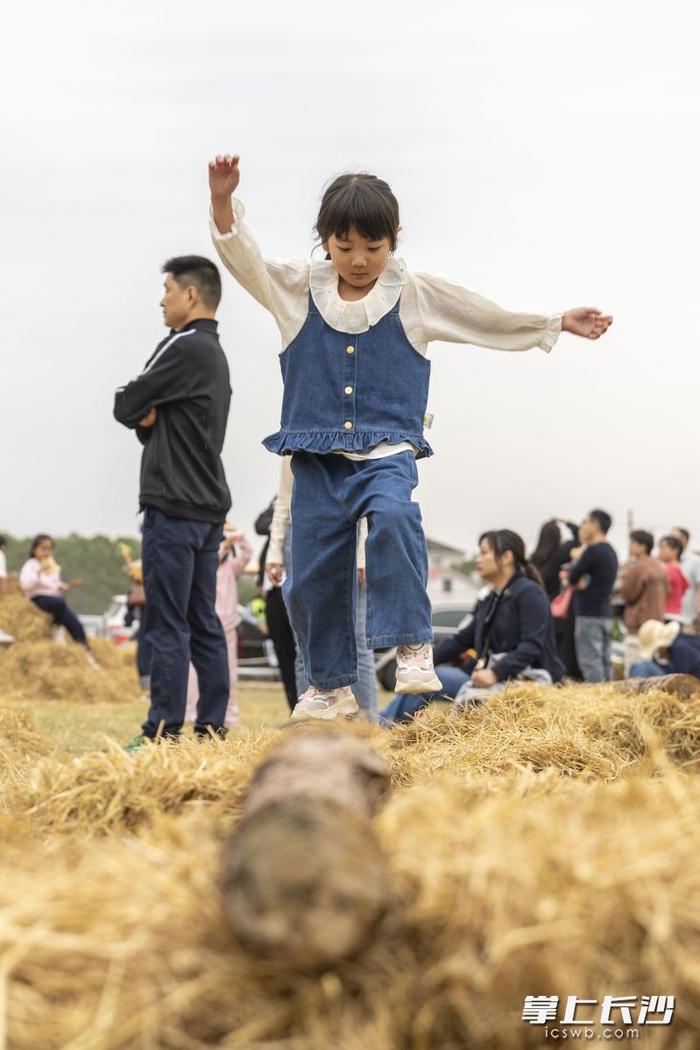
347 393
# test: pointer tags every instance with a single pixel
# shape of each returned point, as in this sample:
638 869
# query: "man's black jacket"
187 380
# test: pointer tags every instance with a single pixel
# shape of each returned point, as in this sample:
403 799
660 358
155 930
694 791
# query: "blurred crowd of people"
553 617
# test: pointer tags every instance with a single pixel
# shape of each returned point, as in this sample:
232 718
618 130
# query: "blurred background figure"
664 649
40 579
5 638
278 626
234 554
557 539
136 616
593 576
644 589
670 550
690 563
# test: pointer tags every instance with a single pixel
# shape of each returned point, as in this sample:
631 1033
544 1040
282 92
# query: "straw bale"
99 792
552 735
589 890
42 670
588 732
22 619
20 745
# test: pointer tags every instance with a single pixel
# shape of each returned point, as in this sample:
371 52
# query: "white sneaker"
414 670
325 703
92 662
5 639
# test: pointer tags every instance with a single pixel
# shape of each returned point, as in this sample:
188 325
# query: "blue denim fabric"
593 635
350 392
329 496
180 559
647 669
402 708
62 615
365 689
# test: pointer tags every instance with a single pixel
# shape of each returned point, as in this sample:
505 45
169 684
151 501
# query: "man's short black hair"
684 533
199 271
602 519
3 541
644 538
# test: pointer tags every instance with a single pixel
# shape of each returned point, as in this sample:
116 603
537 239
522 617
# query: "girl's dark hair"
37 540
548 543
362 201
502 540
674 543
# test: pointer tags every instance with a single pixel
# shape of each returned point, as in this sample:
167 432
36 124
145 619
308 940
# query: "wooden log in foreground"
683 686
304 879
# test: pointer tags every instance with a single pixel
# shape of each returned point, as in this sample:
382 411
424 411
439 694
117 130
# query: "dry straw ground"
547 844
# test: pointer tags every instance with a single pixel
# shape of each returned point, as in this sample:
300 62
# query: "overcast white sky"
544 154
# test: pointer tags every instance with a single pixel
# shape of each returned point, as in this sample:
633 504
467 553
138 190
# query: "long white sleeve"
281 286
282 514
435 309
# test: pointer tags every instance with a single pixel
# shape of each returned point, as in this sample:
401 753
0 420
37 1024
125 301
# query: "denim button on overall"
348 393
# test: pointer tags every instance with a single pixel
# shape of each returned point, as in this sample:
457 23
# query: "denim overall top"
347 393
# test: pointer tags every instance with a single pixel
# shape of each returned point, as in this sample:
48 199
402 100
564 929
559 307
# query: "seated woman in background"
40 579
664 649
510 637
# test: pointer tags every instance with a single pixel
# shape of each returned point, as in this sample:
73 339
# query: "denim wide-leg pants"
330 495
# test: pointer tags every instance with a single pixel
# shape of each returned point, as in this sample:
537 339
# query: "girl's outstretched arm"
282 287
437 309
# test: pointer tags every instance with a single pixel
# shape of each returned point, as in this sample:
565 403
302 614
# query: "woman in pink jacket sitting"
40 579
234 554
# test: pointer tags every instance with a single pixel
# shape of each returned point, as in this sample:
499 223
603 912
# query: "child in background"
40 579
670 550
355 330
136 614
234 554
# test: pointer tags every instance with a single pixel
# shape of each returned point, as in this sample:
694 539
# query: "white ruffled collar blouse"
361 314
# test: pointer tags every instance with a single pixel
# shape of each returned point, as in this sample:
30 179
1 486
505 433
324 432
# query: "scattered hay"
101 792
525 740
589 890
42 670
590 732
20 745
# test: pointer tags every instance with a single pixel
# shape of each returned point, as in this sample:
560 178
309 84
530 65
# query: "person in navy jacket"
510 635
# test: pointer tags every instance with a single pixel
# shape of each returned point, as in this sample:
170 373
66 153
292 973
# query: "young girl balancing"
355 330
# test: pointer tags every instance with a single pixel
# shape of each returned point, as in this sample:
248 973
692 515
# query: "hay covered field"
544 845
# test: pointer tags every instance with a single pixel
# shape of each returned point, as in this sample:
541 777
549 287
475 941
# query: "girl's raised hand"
586 321
224 175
